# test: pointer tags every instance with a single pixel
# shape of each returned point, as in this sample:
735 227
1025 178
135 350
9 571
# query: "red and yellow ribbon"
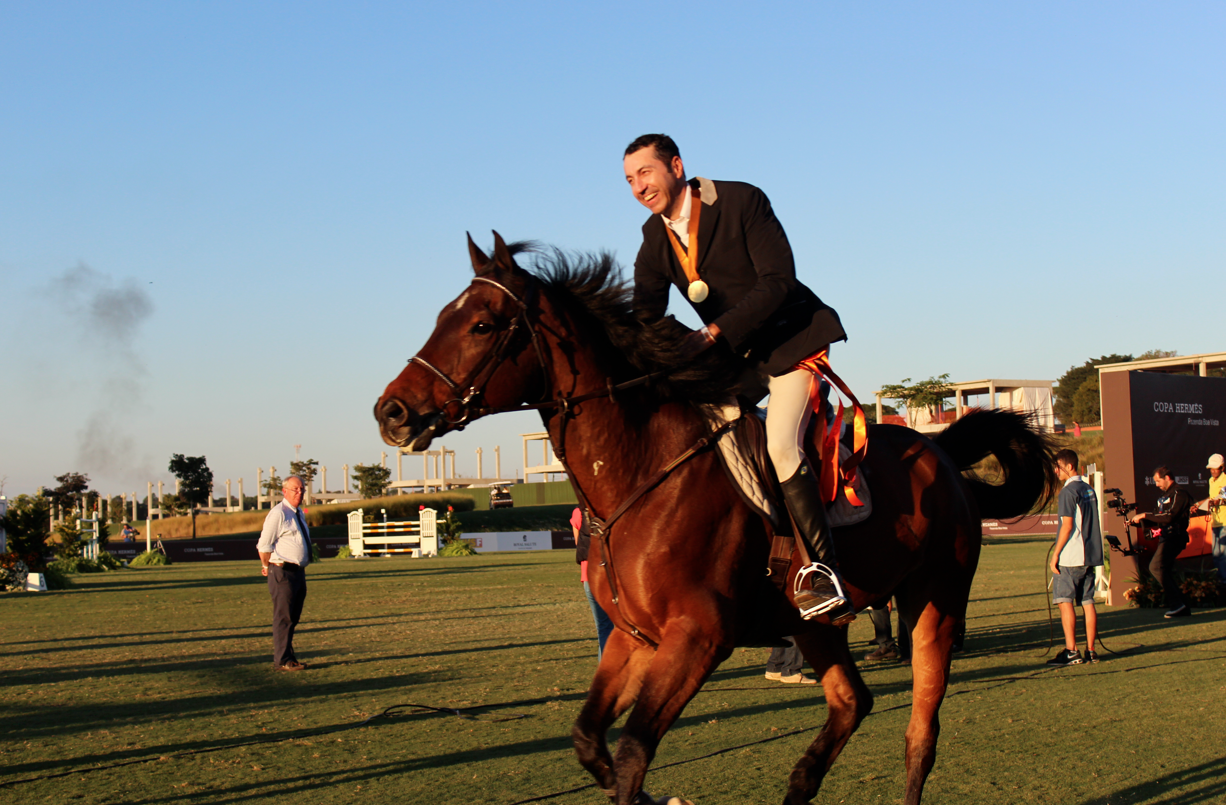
833 475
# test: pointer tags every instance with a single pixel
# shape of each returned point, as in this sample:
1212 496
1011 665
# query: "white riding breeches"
787 416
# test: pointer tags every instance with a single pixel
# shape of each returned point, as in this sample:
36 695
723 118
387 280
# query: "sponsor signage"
491 541
1177 421
1018 526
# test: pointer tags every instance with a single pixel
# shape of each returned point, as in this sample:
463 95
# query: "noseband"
466 399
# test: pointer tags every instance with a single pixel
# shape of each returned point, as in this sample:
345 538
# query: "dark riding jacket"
762 310
1174 512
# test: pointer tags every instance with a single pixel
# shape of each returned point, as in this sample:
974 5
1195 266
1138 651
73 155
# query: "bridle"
465 399
484 371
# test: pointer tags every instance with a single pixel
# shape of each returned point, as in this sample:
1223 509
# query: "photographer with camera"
1215 504
1171 524
1078 550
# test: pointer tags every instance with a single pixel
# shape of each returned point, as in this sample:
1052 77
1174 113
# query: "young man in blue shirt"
1079 549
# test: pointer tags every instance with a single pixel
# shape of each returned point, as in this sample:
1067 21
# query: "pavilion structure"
1028 396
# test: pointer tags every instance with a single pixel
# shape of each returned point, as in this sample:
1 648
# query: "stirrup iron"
822 607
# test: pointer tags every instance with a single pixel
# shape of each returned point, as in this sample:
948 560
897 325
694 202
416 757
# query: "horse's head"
484 354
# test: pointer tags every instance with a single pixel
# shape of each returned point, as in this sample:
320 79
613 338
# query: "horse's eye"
482 328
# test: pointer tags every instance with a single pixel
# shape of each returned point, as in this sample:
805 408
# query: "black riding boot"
818 593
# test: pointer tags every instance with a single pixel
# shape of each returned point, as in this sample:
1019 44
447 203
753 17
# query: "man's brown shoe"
292 665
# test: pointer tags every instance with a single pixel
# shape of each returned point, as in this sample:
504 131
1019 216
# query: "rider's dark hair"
666 149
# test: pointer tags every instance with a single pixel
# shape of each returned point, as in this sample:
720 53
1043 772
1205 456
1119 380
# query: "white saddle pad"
840 513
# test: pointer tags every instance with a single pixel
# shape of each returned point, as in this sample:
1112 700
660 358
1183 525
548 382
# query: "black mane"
591 286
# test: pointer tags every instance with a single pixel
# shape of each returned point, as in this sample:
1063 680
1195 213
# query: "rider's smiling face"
656 185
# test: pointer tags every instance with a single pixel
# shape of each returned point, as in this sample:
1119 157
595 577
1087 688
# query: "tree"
69 532
1152 354
306 470
173 505
68 494
927 394
195 481
28 525
870 413
195 478
372 481
115 510
272 486
1087 403
1072 380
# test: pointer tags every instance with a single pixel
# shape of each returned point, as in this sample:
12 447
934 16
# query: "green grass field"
155 686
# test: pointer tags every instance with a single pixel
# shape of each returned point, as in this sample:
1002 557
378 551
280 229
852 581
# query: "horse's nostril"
393 413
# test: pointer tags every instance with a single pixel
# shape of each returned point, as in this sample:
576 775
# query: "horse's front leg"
613 690
848 701
678 668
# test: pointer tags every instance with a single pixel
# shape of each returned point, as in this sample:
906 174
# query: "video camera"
1118 504
1121 507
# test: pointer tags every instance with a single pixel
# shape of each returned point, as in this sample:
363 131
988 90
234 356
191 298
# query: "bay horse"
680 563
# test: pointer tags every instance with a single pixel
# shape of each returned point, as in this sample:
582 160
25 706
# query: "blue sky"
225 226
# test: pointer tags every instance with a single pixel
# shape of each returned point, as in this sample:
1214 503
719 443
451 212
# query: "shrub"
69 532
315 557
70 565
1200 590
458 547
28 531
55 579
344 553
13 572
149 558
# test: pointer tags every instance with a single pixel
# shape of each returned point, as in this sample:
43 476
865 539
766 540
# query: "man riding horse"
721 245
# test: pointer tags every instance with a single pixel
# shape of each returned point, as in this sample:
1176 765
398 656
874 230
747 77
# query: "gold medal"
697 290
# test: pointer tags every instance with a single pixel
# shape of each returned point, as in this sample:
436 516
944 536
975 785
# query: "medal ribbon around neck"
697 291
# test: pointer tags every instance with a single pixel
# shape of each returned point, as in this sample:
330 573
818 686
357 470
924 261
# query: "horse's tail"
1025 456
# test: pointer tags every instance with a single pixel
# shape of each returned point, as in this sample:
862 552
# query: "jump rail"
418 538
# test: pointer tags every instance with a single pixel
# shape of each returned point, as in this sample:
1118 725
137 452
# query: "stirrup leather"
839 598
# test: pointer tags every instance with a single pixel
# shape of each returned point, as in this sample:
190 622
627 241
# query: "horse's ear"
502 255
481 263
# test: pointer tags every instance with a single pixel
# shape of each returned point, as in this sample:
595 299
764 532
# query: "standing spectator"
1078 550
1216 504
285 551
128 532
785 664
1171 523
887 647
583 540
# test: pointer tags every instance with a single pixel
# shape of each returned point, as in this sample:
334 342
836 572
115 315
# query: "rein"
602 528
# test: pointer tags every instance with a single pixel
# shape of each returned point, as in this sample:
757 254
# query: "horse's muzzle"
401 426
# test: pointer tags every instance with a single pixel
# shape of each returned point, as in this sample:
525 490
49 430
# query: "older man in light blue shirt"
285 551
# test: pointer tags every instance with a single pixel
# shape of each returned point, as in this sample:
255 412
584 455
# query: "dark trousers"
787 661
287 586
883 636
1162 567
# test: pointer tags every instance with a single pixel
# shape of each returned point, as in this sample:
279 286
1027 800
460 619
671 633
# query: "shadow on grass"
1207 782
108 642
254 686
310 785
94 761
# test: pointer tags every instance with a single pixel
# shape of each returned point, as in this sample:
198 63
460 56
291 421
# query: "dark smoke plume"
107 315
